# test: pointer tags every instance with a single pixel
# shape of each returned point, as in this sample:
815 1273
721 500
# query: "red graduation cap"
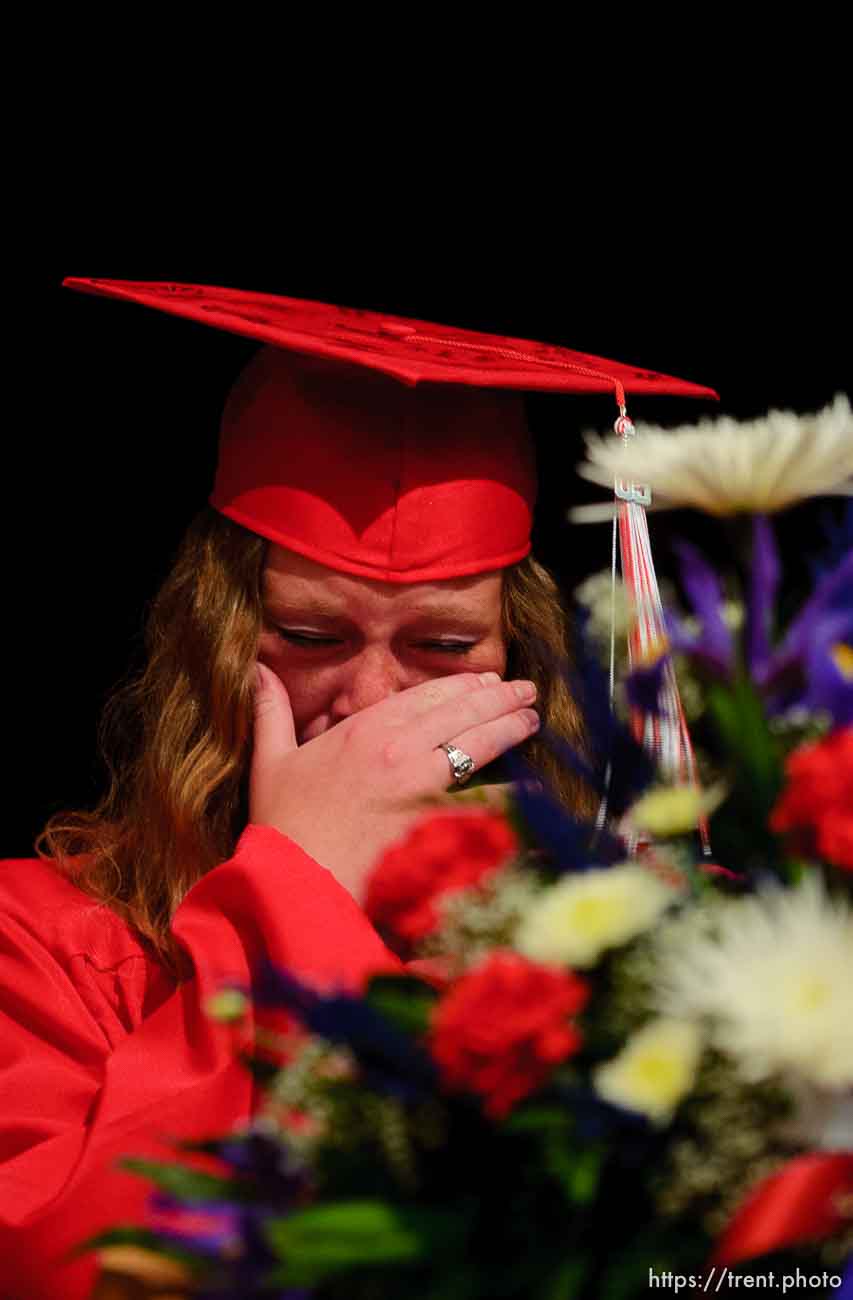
428 477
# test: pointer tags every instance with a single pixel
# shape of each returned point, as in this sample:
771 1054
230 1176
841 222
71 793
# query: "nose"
370 676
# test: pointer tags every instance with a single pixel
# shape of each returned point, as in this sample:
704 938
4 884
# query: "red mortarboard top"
431 477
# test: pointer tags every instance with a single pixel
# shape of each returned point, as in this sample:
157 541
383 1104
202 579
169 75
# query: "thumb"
275 734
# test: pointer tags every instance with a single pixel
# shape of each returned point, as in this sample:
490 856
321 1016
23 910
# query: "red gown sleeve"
77 1093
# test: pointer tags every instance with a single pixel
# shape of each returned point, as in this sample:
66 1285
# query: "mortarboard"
392 448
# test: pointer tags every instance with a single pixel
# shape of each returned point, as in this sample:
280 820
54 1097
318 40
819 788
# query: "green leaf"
741 724
576 1169
739 829
538 1119
797 870
404 1000
327 1239
189 1184
583 1181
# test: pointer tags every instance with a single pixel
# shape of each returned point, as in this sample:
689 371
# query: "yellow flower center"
809 993
593 916
659 1071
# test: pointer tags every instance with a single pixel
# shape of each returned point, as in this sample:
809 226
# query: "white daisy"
655 1069
772 977
724 466
674 809
577 919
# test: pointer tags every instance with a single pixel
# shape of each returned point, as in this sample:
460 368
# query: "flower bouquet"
620 1058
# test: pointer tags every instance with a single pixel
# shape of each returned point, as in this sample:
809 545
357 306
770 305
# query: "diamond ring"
461 764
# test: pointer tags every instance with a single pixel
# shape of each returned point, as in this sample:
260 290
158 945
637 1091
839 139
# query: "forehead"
293 581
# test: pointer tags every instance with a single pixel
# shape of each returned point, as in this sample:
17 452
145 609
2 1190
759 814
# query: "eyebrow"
312 606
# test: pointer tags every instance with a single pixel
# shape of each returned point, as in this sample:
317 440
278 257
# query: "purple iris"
229 1234
714 647
206 1228
804 671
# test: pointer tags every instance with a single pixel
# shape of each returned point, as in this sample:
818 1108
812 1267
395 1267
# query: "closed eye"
305 638
449 647
294 637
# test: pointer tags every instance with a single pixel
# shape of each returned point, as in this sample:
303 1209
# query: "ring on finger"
461 764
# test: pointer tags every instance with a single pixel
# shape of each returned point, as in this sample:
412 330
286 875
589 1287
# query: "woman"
354 625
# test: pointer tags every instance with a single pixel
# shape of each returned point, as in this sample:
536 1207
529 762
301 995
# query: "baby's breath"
482 917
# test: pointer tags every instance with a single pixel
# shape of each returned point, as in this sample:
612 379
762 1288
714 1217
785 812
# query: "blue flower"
390 1060
809 669
714 646
572 844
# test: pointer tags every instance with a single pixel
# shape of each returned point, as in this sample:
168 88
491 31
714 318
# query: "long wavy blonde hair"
177 738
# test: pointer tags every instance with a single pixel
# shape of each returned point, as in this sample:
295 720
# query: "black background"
112 449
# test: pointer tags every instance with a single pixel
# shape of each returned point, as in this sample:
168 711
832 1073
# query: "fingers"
422 699
468 710
275 734
486 742
275 737
484 722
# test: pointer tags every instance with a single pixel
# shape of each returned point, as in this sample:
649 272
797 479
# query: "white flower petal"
772 975
587 912
655 1069
725 467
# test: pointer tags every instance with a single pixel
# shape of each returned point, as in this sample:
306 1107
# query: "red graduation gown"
103 1054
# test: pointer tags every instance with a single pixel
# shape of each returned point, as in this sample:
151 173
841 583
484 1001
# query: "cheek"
489 657
309 689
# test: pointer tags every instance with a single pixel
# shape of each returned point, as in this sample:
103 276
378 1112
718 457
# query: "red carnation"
503 1027
444 853
817 803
